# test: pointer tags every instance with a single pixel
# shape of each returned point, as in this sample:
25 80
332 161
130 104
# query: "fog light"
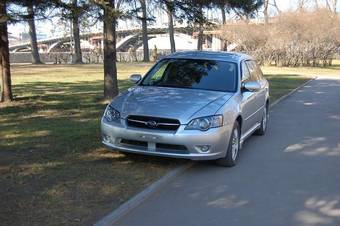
203 148
106 138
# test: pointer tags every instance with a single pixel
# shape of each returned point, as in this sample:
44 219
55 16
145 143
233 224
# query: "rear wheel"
233 148
262 130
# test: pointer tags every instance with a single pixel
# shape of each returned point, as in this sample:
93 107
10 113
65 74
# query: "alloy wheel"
235 144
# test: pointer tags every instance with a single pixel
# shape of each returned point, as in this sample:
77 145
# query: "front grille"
148 122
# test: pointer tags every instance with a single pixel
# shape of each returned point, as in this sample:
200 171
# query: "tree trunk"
6 85
223 15
334 5
331 5
200 38
265 11
276 7
224 21
110 68
200 32
301 5
32 33
77 58
169 12
146 57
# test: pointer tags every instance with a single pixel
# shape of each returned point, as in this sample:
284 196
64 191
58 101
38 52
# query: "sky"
51 28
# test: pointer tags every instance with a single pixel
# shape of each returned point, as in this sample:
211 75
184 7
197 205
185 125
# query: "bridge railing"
26 57
88 57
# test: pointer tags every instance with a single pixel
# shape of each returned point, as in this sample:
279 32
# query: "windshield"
193 74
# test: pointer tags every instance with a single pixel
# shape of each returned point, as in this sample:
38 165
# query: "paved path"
290 176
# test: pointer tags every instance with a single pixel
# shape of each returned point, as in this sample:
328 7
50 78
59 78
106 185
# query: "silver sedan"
194 105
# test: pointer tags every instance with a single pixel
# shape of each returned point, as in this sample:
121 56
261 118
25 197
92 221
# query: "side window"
255 70
245 72
259 72
252 69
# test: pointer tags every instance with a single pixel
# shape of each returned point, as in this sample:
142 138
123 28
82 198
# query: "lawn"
53 168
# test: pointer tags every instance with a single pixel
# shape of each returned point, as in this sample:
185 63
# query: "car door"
256 75
248 103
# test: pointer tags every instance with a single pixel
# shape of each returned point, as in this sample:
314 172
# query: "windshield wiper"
174 86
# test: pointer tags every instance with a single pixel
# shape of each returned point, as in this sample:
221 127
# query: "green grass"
281 84
53 168
284 79
330 71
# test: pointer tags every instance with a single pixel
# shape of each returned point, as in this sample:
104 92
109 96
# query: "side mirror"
135 78
251 86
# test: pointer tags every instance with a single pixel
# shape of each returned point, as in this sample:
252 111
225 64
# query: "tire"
264 122
233 148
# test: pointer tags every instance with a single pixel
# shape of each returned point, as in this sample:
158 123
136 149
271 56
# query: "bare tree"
335 2
265 11
301 4
331 4
276 6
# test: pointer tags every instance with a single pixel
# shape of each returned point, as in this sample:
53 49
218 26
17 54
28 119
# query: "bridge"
125 38
129 45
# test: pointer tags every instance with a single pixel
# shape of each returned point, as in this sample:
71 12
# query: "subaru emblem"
151 124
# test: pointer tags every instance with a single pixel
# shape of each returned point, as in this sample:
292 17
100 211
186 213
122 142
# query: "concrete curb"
291 92
125 208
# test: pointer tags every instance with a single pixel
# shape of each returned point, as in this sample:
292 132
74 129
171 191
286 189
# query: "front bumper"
179 144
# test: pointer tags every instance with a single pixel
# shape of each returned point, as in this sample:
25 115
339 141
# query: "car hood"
177 103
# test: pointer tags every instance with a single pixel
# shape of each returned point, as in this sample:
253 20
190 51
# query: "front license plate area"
151 146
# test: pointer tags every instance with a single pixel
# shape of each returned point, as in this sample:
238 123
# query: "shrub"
290 39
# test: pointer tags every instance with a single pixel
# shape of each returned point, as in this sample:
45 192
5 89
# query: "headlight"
111 114
205 123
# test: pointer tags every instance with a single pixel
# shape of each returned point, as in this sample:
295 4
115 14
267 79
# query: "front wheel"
233 148
263 127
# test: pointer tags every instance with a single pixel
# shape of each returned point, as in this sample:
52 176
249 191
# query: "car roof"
210 55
